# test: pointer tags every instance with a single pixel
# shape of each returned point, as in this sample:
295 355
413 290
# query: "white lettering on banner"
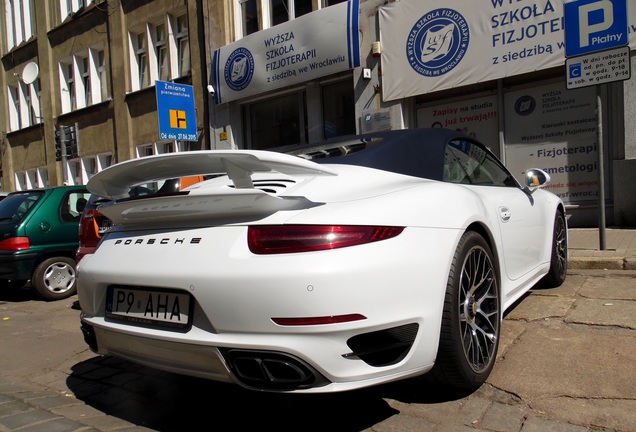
586 28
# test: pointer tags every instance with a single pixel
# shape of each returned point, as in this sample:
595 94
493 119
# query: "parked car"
38 239
93 225
3 195
337 266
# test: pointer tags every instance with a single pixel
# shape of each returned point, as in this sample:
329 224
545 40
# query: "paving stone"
612 414
502 418
404 423
55 425
538 424
604 312
13 407
537 307
27 418
620 288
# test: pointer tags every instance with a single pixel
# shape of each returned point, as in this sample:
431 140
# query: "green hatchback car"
39 239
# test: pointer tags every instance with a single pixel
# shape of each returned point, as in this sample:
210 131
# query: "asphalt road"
566 364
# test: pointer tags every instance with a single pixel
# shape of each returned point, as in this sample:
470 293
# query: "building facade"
268 73
84 72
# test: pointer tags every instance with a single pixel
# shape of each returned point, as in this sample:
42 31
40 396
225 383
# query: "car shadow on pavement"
18 295
166 402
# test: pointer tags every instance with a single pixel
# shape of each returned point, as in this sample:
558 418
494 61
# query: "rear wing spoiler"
115 181
241 202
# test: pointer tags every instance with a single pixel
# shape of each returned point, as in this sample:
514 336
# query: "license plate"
149 308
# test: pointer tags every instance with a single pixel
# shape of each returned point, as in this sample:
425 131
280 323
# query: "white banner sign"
312 46
428 45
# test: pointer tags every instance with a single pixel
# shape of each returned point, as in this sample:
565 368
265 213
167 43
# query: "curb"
602 263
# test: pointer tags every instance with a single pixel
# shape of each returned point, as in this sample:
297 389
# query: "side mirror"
536 178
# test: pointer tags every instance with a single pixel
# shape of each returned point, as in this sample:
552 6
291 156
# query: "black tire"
559 258
54 278
471 321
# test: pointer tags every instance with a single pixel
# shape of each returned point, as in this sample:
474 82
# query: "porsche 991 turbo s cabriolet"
332 267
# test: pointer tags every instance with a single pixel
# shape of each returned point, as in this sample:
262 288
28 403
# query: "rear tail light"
92 228
15 244
278 239
309 321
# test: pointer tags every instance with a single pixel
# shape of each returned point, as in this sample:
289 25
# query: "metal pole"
63 141
77 141
601 170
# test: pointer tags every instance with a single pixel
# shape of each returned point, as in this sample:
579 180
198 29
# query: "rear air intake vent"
384 347
272 186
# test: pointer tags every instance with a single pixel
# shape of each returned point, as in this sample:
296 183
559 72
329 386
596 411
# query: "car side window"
72 206
466 162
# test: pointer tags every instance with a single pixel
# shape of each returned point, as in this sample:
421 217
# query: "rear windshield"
16 206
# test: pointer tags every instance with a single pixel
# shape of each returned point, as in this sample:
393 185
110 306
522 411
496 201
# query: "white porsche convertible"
333 267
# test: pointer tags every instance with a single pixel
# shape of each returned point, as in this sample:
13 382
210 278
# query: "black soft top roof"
413 152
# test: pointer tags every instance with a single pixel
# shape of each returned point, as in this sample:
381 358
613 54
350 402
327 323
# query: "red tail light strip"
307 321
278 239
15 244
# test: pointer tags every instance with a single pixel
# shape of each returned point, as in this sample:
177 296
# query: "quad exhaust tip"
268 370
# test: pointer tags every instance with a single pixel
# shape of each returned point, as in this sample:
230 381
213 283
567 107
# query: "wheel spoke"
561 247
478 309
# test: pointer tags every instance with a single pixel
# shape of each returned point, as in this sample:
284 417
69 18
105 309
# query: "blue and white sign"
314 45
594 25
598 68
176 111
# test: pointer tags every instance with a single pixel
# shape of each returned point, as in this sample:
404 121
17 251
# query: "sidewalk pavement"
586 253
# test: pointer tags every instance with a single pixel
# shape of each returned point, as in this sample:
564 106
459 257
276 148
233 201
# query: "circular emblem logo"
525 105
239 69
437 42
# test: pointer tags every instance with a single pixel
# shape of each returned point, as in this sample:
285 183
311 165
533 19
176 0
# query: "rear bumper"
255 366
17 266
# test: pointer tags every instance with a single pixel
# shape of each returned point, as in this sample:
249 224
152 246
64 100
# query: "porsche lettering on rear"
159 241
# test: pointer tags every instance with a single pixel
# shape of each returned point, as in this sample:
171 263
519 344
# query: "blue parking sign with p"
594 25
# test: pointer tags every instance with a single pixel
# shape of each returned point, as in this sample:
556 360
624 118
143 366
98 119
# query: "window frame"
182 35
158 49
24 104
88 84
265 14
69 7
34 178
19 22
